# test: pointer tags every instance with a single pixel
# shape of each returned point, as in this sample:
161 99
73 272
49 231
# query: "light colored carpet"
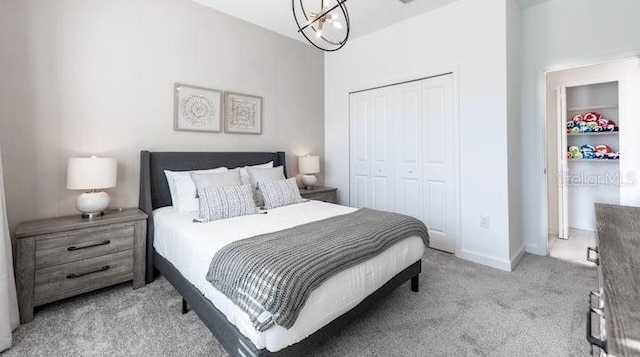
462 309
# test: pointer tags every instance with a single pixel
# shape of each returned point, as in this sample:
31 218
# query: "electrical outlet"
484 220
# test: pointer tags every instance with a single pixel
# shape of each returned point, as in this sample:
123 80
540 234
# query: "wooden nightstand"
65 256
326 194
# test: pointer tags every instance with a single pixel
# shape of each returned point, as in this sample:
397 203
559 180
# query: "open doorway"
586 120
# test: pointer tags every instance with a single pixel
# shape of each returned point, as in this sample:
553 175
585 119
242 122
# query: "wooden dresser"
616 304
319 193
65 256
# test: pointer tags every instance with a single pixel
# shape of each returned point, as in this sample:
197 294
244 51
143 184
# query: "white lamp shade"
309 164
86 173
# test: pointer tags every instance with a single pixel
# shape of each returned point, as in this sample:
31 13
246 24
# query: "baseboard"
516 259
484 259
534 249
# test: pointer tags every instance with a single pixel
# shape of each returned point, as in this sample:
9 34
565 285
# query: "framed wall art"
243 114
197 108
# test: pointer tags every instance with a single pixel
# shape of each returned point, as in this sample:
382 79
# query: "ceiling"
366 15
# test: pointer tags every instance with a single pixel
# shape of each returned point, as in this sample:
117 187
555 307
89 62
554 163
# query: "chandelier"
324 23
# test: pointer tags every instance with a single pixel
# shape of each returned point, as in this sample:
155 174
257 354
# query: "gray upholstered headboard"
154 190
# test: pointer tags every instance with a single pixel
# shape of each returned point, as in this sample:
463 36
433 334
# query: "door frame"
438 72
543 243
562 153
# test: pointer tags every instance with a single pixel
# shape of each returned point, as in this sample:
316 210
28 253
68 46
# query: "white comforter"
190 247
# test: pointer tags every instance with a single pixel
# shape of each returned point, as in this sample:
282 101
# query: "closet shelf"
593 133
594 160
592 108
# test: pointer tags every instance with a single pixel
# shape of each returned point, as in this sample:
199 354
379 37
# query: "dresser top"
317 189
66 223
619 254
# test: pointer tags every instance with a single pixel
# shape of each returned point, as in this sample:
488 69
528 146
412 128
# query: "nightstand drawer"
70 279
323 196
81 244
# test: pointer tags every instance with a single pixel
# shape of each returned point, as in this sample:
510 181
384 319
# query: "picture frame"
243 114
197 108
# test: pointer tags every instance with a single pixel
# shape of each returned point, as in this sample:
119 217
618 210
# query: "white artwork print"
197 109
243 114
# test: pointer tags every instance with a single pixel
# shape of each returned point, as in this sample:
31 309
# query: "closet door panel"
436 206
408 140
439 169
382 166
360 149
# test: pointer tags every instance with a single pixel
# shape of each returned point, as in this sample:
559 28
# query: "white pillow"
216 179
244 173
264 174
183 189
225 202
280 193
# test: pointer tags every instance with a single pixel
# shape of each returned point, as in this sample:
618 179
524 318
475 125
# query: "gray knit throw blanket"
270 276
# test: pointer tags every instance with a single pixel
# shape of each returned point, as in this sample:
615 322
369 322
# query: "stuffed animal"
603 149
592 126
588 151
592 116
602 122
570 125
578 118
613 155
574 150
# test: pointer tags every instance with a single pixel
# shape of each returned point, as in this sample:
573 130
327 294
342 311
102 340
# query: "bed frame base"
237 344
185 307
415 283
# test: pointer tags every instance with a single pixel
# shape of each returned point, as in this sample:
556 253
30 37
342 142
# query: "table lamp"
92 174
308 166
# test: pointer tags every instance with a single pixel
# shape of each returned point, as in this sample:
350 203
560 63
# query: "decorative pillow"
183 190
280 193
220 179
244 173
225 202
261 174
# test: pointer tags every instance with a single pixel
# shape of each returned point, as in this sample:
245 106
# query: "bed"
167 257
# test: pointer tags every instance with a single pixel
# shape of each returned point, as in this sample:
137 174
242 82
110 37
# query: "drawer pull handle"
594 341
597 294
595 260
73 248
74 276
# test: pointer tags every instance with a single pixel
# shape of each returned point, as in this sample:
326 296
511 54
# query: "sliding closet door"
382 169
439 161
372 183
360 150
402 157
408 156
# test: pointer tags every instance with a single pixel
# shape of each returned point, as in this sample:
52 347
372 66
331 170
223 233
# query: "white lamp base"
309 181
93 204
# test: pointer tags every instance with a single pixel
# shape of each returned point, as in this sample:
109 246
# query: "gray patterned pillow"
263 174
280 193
225 202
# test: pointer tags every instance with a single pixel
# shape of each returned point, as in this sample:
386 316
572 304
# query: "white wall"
81 77
555 34
514 68
469 36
